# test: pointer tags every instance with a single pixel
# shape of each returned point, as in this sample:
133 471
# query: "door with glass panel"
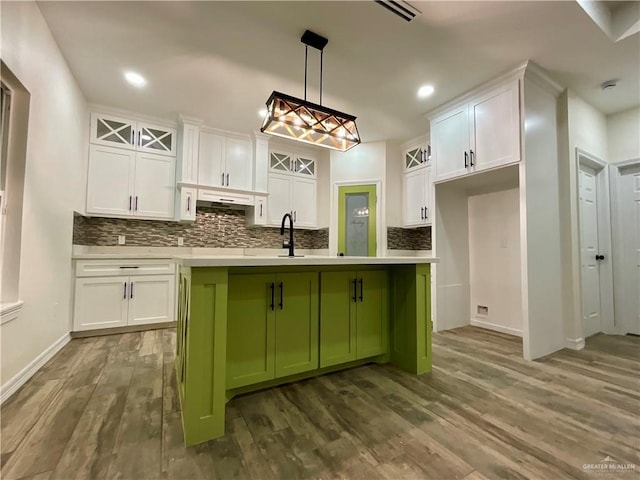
357 220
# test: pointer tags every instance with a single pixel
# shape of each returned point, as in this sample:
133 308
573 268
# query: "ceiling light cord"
321 59
306 54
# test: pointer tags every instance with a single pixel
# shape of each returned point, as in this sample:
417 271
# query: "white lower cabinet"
151 299
101 303
116 300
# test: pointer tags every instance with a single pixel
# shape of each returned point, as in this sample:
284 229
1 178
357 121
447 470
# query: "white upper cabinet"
188 152
416 154
417 186
126 133
480 134
495 122
110 181
154 186
126 183
292 189
225 162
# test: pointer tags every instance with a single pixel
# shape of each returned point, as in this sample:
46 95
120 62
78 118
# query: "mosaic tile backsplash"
220 228
213 228
409 238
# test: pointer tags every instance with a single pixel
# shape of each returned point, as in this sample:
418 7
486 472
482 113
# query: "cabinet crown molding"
182 119
128 114
528 69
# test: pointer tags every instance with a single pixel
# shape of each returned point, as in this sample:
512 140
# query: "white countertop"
273 261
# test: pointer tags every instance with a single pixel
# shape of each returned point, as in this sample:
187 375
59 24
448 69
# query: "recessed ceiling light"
262 112
135 79
425 91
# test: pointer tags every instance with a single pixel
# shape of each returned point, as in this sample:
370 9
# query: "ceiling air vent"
402 9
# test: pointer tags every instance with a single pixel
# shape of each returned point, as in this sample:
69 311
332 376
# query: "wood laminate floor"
106 408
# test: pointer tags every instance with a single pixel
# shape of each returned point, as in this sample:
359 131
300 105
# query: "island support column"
205 331
411 318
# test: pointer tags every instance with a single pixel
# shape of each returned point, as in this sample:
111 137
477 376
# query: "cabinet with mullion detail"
417 186
120 132
292 189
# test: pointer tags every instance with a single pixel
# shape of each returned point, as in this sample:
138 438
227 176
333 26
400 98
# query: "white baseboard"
574 343
13 384
498 328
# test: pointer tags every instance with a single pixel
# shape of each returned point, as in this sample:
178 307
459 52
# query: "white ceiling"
219 61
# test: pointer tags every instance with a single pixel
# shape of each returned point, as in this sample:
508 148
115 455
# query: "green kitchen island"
247 323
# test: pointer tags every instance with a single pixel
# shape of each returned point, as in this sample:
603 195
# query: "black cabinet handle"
599 257
261 209
139 144
130 200
272 305
295 215
426 213
281 304
421 213
227 179
129 266
124 294
223 179
361 289
189 203
136 203
466 161
131 291
355 291
471 154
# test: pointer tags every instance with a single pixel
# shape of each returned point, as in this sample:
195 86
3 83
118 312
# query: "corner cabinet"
131 169
116 294
292 189
480 134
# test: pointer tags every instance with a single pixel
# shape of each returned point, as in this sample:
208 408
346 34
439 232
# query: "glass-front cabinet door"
113 131
156 139
280 162
304 166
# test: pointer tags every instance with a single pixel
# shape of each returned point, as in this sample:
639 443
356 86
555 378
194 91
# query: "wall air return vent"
401 8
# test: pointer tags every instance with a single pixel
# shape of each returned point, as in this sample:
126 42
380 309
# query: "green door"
337 318
373 313
296 326
250 330
357 212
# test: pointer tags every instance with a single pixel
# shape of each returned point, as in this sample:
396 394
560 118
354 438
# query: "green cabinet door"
373 313
250 330
296 325
337 318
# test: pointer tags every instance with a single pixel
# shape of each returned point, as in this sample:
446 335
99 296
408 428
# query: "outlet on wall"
180 241
120 239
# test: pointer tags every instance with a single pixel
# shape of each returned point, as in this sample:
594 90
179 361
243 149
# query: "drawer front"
108 268
224 197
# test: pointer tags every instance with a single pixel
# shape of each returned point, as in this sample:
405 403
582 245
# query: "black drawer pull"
131 266
272 305
355 291
361 281
281 304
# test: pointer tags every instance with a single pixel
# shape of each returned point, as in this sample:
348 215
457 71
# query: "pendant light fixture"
308 122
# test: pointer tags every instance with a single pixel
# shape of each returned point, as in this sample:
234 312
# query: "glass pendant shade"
298 119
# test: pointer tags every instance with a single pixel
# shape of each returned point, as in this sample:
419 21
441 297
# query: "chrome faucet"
288 244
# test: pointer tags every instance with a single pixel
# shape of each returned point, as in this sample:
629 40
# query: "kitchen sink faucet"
288 244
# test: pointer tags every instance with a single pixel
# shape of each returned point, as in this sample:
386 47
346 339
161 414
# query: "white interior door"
151 299
628 241
591 311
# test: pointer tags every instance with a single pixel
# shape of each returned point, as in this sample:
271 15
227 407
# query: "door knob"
599 257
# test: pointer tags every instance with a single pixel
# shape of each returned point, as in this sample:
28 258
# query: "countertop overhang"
311 260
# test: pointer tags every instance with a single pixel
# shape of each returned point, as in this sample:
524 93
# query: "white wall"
54 178
494 260
363 164
582 127
394 175
623 135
